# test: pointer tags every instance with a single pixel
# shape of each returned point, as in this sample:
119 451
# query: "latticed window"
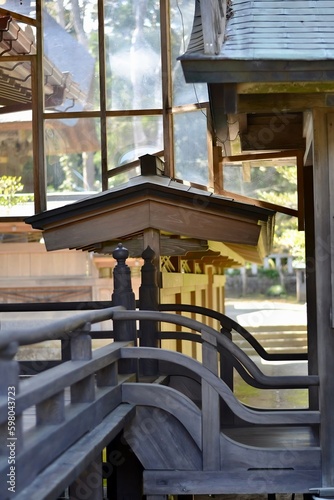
86 88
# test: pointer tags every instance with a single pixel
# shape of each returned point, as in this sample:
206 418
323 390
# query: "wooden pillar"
323 161
210 406
124 296
148 300
11 431
226 374
311 299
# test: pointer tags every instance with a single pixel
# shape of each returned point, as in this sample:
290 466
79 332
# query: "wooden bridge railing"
228 326
81 427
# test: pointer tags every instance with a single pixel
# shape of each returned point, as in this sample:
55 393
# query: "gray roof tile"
280 29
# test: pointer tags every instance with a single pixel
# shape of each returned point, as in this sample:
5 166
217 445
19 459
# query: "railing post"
11 433
81 350
11 427
149 300
210 406
89 484
124 296
226 374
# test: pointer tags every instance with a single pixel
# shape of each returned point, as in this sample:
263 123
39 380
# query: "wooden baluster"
124 296
11 430
81 350
108 376
89 483
226 374
51 411
148 300
210 406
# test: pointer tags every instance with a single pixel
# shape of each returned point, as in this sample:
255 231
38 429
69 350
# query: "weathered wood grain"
167 399
63 470
245 482
172 448
265 417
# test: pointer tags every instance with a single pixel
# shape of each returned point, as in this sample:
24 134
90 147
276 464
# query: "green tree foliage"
284 192
10 187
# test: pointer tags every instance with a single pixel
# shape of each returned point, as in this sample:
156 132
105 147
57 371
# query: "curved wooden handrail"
194 337
229 324
263 417
296 381
56 329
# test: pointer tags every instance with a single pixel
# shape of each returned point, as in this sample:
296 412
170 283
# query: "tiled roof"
280 29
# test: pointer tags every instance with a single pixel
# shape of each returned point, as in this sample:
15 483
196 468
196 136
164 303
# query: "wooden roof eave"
131 210
202 68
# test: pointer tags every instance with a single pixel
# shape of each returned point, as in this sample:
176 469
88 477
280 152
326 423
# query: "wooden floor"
278 436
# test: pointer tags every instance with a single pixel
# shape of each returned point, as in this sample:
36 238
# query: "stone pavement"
252 313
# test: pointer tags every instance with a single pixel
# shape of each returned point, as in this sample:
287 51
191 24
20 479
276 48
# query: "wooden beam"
219 117
268 131
261 203
311 297
217 169
238 482
323 126
103 96
167 89
281 104
37 83
300 191
289 153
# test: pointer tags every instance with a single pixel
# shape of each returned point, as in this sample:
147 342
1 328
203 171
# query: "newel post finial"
149 300
123 294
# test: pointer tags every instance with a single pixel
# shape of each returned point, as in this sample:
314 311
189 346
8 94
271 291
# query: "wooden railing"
82 404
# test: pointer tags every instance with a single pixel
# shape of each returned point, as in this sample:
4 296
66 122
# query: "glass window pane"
182 17
131 137
191 153
16 155
71 56
133 54
274 181
23 7
73 159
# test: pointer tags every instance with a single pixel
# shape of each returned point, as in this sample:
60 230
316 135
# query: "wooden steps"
275 339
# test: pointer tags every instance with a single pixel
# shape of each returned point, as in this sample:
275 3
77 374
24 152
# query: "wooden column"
311 299
11 431
149 300
167 88
124 296
323 161
210 406
151 238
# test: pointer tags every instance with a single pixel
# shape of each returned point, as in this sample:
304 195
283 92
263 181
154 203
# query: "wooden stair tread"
274 436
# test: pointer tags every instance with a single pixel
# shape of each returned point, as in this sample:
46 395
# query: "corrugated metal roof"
280 29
